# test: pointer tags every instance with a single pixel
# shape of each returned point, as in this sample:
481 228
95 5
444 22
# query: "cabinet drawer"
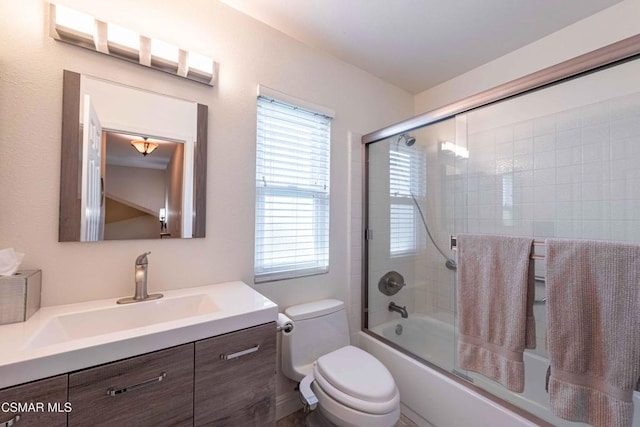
154 389
235 378
48 396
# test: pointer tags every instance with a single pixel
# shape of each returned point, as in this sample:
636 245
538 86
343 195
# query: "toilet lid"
357 374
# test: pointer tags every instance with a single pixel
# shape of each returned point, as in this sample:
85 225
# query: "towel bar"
453 243
538 279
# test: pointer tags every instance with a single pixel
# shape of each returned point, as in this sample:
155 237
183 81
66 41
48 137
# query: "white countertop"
29 353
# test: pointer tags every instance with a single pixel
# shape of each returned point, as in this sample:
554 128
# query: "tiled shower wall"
573 174
561 162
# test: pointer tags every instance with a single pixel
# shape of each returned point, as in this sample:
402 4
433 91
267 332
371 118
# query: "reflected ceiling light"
81 29
144 147
456 149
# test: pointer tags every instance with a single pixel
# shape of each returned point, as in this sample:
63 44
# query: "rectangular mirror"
133 163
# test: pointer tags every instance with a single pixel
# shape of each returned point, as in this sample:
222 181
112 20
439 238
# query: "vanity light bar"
81 29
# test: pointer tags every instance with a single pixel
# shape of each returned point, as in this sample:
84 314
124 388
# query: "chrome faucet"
402 310
142 264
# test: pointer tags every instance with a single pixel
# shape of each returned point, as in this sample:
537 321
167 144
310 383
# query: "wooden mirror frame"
69 220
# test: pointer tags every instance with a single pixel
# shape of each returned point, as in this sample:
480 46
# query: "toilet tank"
319 328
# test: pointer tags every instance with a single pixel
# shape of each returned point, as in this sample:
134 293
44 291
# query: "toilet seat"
358 380
343 416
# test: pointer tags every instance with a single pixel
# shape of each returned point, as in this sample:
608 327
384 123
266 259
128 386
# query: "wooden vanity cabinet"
154 389
231 383
48 397
235 378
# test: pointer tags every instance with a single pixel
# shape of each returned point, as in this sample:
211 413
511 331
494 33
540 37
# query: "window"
292 191
407 182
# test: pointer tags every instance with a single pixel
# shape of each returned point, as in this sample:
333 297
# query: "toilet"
352 387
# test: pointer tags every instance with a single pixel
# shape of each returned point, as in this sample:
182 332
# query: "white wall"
139 111
140 227
612 24
249 53
142 188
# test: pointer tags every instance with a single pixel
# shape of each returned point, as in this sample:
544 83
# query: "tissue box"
19 296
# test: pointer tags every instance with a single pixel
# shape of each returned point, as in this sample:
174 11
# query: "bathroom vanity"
216 366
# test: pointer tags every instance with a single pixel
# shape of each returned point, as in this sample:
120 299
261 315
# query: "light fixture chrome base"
129 300
98 40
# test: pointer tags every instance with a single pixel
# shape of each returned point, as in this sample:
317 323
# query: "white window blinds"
407 180
292 191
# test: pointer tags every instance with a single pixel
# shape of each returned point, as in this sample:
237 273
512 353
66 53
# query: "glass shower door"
410 210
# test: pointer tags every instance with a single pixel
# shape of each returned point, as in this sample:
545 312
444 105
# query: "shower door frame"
608 56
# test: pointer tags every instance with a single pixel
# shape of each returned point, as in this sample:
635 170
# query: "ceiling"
417 44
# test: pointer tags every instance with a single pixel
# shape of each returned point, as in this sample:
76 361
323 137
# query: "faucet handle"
142 259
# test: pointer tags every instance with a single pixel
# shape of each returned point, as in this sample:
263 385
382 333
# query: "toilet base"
343 416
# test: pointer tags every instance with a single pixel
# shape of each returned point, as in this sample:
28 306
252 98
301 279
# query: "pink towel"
593 333
495 306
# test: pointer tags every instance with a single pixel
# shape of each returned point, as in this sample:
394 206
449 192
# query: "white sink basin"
120 318
67 338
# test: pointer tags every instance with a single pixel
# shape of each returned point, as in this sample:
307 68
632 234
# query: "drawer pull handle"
114 392
239 353
11 422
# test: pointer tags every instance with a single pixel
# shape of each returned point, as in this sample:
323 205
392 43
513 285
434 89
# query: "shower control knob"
391 283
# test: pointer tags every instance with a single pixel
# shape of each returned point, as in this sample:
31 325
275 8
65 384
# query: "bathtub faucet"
402 310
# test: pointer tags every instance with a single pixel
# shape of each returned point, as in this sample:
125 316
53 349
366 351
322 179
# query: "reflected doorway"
142 193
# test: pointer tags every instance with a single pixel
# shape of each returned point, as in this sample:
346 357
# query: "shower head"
408 139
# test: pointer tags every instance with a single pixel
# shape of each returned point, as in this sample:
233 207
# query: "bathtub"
424 336
432 398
